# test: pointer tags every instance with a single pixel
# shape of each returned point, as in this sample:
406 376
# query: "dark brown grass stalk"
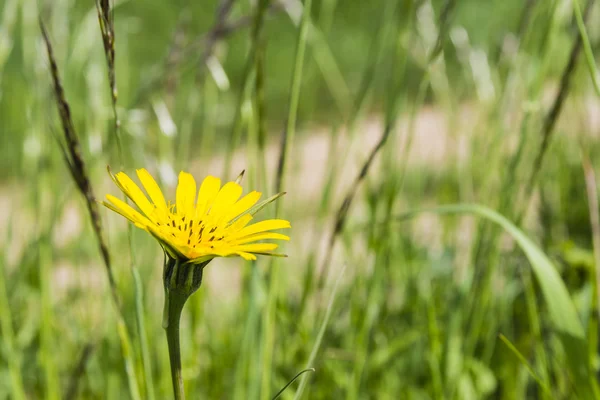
76 165
342 213
78 371
107 29
444 23
552 116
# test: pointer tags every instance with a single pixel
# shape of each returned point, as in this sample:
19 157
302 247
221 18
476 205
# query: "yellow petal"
170 247
251 248
267 225
227 196
134 193
186 194
208 191
261 236
243 204
120 207
152 188
240 223
246 256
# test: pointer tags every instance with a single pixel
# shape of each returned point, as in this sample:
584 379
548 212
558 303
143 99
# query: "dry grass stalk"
342 213
76 164
553 113
107 29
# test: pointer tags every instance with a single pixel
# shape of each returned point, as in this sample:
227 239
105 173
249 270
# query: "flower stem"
174 301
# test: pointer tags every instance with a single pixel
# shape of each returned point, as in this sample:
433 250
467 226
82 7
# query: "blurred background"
364 112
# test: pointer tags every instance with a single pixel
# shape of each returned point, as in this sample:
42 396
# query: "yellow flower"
196 230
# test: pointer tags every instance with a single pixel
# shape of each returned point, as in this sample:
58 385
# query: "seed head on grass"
216 224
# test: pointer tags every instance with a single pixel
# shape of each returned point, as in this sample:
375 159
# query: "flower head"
196 229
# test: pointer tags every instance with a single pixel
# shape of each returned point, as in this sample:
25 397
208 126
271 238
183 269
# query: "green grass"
492 293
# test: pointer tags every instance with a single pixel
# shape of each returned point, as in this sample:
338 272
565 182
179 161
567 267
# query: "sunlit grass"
362 112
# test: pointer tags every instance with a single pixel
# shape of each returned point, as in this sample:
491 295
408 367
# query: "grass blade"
562 311
292 381
523 360
8 337
317 345
587 47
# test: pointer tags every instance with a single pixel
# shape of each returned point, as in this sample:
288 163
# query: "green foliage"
410 310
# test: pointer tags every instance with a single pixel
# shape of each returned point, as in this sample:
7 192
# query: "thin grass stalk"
222 13
335 162
434 356
382 38
260 105
288 139
487 242
78 371
587 47
375 305
295 86
487 237
107 30
533 313
257 138
561 308
523 360
320 334
210 100
13 356
142 334
486 246
258 22
249 348
444 23
393 101
44 222
156 82
252 382
552 115
371 311
330 70
185 147
548 43
522 28
594 210
342 212
47 342
325 18
410 132
298 375
8 22
76 165
326 14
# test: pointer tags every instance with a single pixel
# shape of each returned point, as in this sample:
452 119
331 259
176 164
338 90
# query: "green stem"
174 302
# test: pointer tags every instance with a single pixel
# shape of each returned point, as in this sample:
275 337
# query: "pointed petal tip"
238 180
